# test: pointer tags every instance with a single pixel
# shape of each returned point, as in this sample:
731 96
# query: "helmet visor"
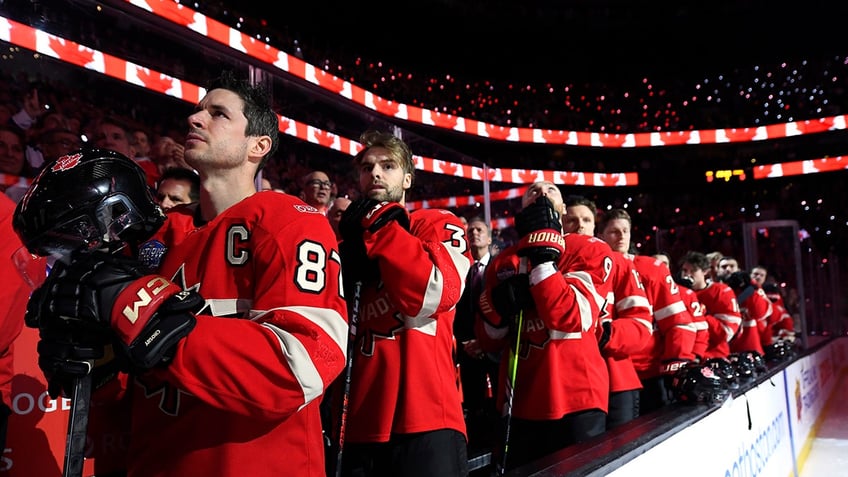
87 232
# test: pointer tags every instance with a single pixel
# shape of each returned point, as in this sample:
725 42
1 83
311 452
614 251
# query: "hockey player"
756 310
231 343
674 334
561 381
719 302
405 412
627 322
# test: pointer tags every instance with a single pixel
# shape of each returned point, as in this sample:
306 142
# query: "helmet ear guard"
90 199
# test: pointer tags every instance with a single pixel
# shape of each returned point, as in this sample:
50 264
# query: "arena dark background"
573 40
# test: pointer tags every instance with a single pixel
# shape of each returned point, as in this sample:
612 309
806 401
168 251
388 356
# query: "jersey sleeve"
671 316
13 296
632 321
726 310
423 269
570 297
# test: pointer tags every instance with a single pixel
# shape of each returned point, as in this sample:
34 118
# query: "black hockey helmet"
745 364
86 200
780 350
699 384
725 370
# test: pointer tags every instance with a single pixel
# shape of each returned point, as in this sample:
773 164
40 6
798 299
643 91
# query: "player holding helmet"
230 344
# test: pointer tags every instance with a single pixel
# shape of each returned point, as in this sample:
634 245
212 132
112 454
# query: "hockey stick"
512 373
77 427
353 322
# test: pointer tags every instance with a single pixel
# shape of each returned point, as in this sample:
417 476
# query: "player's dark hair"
261 118
696 259
611 215
575 200
182 173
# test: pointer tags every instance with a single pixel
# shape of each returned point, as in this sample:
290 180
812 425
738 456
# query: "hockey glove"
741 283
669 369
540 215
147 314
505 301
738 281
540 229
541 246
67 352
672 366
370 215
605 335
383 214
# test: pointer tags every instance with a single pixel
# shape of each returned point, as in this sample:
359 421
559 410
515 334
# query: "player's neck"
217 195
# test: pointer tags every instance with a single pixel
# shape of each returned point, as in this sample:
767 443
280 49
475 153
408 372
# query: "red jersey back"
631 323
674 335
723 318
699 321
756 310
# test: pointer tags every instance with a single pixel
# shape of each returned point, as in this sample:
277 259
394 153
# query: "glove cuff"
542 271
136 304
549 238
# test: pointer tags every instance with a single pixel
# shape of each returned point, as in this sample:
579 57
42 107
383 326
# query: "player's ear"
259 146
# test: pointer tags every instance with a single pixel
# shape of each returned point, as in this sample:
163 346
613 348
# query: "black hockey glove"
371 215
504 302
362 215
606 333
738 281
67 351
540 229
741 283
146 314
540 215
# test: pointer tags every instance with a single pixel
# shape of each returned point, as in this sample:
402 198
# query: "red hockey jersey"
241 395
723 317
404 376
13 297
560 368
632 323
756 311
674 333
699 321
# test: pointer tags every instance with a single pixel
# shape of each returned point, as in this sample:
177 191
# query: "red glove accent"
540 246
137 303
487 309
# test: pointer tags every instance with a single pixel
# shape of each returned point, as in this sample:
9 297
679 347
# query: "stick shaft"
353 322
512 373
77 427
